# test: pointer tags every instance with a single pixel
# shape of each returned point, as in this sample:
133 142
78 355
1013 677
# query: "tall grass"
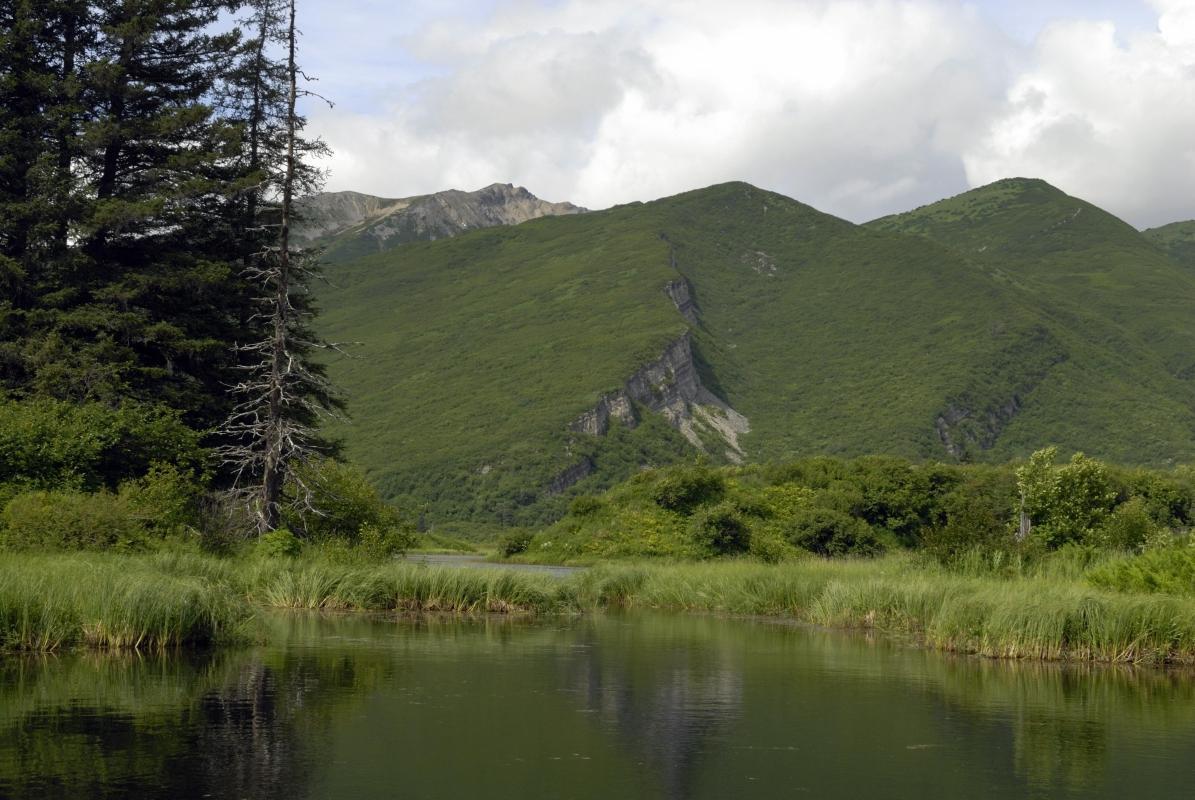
404 587
168 599
50 602
1036 618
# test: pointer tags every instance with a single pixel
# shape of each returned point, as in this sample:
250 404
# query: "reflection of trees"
666 715
233 725
1063 718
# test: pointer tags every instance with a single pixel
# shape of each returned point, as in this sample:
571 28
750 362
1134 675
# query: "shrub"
514 542
165 498
832 533
347 505
1168 498
70 520
1066 504
784 500
585 505
769 549
382 544
1169 570
684 489
280 543
1129 527
975 521
899 496
720 530
50 444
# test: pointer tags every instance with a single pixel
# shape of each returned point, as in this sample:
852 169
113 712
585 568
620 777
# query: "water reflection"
635 706
664 719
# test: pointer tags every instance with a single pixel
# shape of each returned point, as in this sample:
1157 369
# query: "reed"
50 602
1033 618
160 600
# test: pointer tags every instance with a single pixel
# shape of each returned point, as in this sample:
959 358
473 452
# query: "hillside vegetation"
979 328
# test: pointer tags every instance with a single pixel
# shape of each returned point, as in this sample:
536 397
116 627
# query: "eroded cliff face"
671 387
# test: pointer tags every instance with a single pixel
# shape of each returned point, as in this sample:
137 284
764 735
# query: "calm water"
614 707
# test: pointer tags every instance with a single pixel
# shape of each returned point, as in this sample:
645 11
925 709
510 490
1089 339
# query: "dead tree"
285 394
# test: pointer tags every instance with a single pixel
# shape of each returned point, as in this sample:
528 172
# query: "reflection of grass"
50 602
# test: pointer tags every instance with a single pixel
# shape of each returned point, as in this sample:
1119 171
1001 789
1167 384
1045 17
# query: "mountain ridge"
496 352
350 224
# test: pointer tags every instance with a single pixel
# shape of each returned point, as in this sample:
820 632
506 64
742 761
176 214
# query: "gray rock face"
383 223
671 387
681 294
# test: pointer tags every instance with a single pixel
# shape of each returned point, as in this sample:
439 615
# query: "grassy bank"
51 602
171 599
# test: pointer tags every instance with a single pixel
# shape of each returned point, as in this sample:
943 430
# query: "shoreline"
167 600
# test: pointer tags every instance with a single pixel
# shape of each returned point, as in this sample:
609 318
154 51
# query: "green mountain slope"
1177 240
507 369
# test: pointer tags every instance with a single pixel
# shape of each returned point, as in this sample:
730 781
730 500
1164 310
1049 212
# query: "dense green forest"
149 152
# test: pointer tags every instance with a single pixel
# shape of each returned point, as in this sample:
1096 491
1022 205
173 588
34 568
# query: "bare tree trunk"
274 469
1025 525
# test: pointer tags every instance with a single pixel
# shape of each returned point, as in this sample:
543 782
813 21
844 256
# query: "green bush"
899 496
280 543
832 533
50 444
514 542
1167 570
769 549
1128 527
165 498
684 489
382 544
346 506
1068 503
71 521
720 530
585 505
976 520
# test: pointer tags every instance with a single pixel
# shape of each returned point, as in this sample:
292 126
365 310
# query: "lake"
611 706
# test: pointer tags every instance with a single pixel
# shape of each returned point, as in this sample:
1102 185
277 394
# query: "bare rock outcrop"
384 223
671 387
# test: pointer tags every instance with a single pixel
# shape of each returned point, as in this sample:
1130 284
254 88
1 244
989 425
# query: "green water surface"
634 706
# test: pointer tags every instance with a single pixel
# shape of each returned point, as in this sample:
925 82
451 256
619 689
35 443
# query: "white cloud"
1112 123
859 107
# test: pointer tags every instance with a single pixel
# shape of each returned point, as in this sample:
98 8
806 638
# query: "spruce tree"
121 252
285 391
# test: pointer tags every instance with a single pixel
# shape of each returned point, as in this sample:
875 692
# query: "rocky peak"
383 223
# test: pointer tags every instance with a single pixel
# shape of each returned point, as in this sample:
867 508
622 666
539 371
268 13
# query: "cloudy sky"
858 107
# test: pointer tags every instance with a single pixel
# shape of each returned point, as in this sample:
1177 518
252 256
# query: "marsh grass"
404 587
167 599
51 602
1026 618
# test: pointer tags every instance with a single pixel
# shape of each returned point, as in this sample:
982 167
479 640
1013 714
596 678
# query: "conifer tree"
285 392
119 247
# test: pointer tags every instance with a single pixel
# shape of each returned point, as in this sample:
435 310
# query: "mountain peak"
351 224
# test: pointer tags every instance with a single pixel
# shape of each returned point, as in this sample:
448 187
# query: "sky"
857 107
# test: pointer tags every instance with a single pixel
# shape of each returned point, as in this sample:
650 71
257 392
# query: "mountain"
1177 240
350 224
507 369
